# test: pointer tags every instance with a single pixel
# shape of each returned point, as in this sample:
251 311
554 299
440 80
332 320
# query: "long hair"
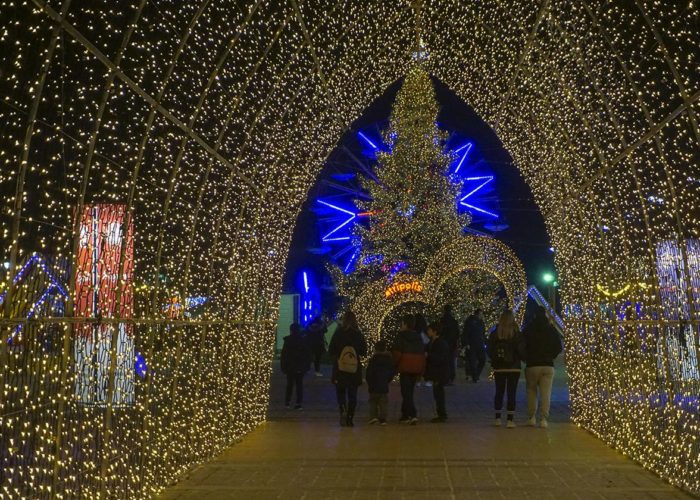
506 325
349 321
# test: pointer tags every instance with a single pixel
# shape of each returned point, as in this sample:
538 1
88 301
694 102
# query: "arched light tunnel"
155 153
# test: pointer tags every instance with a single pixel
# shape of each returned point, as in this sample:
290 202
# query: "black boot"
343 415
348 420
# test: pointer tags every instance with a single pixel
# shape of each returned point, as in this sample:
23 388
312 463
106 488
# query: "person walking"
317 340
294 361
437 370
506 349
421 326
474 340
380 371
346 348
542 346
409 361
449 329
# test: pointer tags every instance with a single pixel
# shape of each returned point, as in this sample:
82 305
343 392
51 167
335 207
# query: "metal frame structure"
210 120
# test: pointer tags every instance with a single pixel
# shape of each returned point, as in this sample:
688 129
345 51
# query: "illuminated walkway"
305 455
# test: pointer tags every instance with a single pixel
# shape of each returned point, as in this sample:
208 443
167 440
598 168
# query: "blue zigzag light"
352 216
483 181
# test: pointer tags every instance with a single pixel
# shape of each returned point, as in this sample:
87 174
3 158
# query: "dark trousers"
347 396
318 354
378 406
408 384
292 380
475 364
439 396
506 382
453 365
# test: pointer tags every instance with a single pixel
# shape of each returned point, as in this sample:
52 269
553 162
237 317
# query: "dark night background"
526 234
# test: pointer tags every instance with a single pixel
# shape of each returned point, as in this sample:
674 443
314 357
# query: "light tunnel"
157 151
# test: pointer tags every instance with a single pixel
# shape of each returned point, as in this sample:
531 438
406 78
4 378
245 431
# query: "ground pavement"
305 454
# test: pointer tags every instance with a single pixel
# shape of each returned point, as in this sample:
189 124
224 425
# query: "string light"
209 121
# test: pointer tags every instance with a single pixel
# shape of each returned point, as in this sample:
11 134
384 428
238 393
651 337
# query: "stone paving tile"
305 455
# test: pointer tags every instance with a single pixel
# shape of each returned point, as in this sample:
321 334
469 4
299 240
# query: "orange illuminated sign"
413 286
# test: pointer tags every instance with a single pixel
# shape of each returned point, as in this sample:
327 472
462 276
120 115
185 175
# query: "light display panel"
209 121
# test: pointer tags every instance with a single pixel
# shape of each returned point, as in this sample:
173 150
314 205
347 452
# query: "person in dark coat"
437 370
317 341
346 348
506 350
380 371
474 340
542 346
409 361
449 329
295 361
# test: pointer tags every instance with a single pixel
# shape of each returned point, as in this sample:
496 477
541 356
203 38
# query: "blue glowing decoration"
310 298
54 287
466 148
140 366
368 141
351 261
482 182
352 216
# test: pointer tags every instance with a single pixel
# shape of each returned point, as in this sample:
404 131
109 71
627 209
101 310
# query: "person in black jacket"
317 341
506 350
474 340
437 370
295 361
449 329
542 345
346 348
380 371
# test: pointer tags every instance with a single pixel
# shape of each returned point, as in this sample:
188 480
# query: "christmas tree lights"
209 121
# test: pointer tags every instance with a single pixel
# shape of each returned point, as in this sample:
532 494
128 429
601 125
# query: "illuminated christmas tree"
412 212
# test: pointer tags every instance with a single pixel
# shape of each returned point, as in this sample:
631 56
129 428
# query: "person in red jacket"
409 360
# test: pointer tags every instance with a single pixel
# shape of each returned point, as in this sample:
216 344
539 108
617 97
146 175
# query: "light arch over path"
208 122
468 253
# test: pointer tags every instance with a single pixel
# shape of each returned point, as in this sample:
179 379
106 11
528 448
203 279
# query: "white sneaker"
319 374
428 384
510 424
543 423
532 422
373 421
497 422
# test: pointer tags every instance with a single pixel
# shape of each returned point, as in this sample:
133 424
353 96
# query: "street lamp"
550 280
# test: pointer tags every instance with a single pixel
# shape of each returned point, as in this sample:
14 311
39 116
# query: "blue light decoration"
482 182
55 287
310 298
338 214
140 366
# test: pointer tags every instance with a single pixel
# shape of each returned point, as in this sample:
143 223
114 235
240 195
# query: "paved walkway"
304 454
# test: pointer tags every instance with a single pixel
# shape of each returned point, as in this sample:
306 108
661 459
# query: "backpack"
347 362
503 352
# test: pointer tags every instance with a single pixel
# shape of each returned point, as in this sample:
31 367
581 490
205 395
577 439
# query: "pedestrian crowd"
427 352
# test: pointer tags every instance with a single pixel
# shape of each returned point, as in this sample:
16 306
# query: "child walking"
380 371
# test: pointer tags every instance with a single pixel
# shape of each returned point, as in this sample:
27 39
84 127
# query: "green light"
548 277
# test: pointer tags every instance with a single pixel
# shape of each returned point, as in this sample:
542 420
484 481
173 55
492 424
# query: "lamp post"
551 283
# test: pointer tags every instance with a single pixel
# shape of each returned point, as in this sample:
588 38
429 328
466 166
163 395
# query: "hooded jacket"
542 343
409 353
380 371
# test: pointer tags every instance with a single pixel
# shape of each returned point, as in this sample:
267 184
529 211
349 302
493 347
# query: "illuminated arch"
209 121
468 253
